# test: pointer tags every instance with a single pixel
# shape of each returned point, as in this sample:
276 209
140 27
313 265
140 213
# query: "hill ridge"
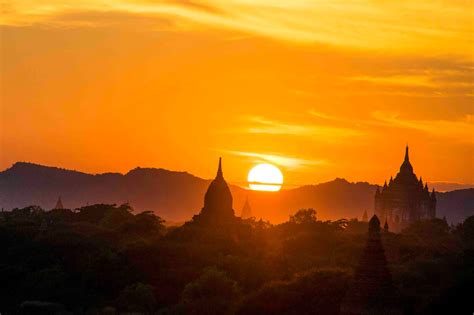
178 195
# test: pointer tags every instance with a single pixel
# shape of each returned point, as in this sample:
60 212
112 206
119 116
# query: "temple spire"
364 216
59 204
246 210
219 169
406 166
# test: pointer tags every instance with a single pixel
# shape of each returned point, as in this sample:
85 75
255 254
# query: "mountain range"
177 196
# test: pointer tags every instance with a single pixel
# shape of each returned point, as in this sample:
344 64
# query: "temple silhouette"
372 290
59 204
217 201
246 210
365 217
404 200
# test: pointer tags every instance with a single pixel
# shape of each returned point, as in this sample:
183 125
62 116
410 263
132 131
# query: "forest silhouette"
100 258
107 259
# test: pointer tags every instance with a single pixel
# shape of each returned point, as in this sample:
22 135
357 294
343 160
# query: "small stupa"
246 210
59 204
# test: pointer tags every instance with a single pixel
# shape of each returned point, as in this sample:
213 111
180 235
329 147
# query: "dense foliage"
104 258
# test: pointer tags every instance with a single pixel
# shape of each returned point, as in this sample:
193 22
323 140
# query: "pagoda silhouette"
217 201
59 204
372 290
246 210
404 200
365 216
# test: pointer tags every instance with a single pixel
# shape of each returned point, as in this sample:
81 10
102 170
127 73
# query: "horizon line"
235 183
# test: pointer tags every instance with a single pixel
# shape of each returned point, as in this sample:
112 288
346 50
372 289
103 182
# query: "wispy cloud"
360 24
462 130
325 116
260 125
430 77
400 80
285 161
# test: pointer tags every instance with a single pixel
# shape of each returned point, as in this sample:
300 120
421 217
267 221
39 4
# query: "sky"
322 89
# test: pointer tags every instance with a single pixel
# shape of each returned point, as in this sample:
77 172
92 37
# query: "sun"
265 177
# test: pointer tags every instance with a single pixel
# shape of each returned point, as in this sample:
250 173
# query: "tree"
94 213
137 297
60 215
212 293
304 216
467 233
28 213
314 292
115 217
144 224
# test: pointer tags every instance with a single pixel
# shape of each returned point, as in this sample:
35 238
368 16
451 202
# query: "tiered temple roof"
404 199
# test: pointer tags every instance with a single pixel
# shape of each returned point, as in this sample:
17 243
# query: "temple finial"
407 159
219 170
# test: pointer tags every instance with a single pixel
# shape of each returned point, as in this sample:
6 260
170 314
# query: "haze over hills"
444 186
177 196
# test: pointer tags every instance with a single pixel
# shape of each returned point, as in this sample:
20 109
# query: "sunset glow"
234 157
324 89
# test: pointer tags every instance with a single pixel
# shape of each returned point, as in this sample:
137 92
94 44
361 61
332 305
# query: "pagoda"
246 210
372 290
405 199
217 201
59 204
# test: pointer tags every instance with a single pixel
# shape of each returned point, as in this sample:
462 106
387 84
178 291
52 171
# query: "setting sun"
265 177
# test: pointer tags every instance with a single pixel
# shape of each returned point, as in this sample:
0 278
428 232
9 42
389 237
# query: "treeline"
103 259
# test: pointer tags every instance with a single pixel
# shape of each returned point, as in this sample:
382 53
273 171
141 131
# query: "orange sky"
322 89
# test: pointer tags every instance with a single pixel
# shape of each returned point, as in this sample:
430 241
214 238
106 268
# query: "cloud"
111 19
400 80
462 129
260 125
199 5
357 24
285 161
325 116
446 75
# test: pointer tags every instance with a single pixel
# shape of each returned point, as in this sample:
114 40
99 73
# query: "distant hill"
332 200
455 205
177 196
173 195
442 187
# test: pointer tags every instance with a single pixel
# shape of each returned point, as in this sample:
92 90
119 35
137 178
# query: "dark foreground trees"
313 292
107 258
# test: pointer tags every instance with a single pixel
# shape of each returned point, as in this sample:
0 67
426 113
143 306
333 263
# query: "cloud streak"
285 161
358 24
462 130
260 125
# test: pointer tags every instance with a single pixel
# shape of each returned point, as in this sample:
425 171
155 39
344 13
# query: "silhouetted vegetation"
106 258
